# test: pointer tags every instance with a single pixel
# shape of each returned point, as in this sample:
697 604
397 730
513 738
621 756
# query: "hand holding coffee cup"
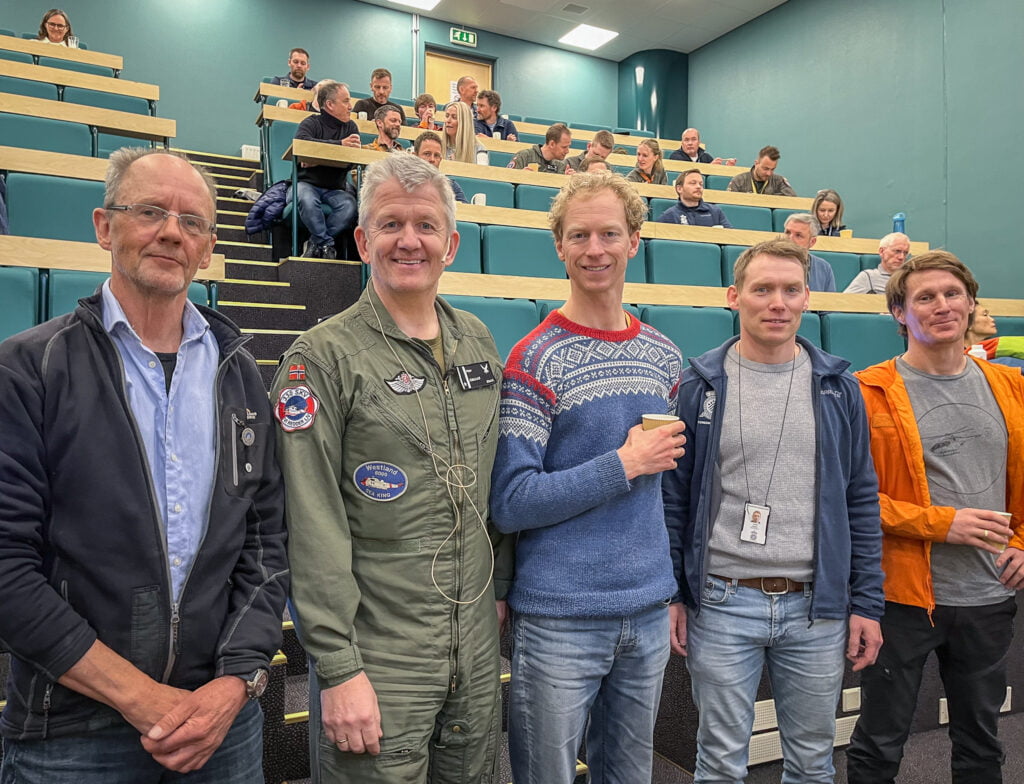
654 447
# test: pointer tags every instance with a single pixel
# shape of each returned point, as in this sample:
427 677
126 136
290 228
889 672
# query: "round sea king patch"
296 408
380 481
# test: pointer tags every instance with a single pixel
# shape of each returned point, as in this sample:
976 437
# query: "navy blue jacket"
703 156
848 530
82 546
704 214
268 208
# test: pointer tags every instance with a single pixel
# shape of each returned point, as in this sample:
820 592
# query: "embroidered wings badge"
405 384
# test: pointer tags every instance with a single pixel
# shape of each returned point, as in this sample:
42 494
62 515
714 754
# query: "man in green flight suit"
389 420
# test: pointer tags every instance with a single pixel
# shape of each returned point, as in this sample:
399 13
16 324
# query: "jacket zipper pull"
175 621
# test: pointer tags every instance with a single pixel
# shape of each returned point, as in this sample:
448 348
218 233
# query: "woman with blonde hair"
460 143
827 209
649 166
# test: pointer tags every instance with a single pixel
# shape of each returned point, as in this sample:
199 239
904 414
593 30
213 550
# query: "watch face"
258 684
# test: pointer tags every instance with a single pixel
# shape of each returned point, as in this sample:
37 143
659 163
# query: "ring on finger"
986 533
343 740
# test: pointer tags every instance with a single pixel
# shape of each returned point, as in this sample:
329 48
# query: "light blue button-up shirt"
178 427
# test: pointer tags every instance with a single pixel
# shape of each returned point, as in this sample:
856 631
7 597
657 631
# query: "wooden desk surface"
57 164
86 256
139 126
267 90
106 84
15 44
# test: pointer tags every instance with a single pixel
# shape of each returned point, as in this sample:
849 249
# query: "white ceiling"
679 25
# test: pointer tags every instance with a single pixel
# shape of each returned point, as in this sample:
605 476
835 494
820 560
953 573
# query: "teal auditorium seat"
862 338
634 132
545 306
498 158
66 287
845 266
499 194
18 57
109 142
531 138
539 121
636 270
658 206
588 127
1010 325
810 327
750 218
19 299
869 260
716 182
729 255
279 138
9 84
534 197
509 320
58 208
684 263
467 259
779 216
693 330
512 250
40 133
73 65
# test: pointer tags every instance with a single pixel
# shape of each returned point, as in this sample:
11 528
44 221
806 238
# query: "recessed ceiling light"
423 5
587 37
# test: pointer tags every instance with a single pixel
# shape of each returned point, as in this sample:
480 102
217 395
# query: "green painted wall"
912 105
209 55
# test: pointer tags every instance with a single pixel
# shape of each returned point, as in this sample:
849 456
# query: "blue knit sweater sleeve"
525 494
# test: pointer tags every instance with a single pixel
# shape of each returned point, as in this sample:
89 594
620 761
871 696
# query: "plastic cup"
496 134
72 42
480 199
651 421
362 115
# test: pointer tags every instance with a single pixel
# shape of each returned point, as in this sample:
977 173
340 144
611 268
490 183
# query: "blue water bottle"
899 222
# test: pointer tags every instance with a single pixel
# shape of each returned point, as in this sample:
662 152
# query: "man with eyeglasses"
142 542
893 251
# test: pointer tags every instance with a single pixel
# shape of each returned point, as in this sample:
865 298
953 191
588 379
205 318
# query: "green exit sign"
464 37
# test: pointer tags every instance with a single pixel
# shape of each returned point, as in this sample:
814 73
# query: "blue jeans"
737 630
566 668
324 228
114 755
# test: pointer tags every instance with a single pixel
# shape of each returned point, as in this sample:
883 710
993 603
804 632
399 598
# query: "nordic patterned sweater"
590 543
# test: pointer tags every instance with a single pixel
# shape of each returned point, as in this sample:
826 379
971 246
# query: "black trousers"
971 644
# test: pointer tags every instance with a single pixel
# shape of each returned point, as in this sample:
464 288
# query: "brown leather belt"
772 586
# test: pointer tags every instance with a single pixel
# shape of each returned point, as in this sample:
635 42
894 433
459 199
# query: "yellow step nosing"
296 718
245 282
257 331
268 305
235 243
212 154
254 263
233 212
218 177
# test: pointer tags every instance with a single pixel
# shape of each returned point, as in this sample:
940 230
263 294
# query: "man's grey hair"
889 239
328 91
807 219
411 172
121 160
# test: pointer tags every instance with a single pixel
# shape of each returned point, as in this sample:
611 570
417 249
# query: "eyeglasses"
56 26
148 215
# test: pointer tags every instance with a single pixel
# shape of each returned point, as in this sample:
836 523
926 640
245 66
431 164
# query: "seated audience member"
428 147
488 121
389 128
691 209
55 28
425 107
980 341
460 143
801 229
649 167
298 67
689 150
468 88
311 104
894 250
593 163
319 185
598 147
762 177
380 86
548 157
828 211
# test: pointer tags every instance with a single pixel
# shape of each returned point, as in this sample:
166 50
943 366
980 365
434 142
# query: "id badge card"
755 523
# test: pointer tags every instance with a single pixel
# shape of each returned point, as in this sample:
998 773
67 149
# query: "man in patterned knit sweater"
579 480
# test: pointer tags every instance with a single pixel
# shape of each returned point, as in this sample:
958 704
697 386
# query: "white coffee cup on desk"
479 199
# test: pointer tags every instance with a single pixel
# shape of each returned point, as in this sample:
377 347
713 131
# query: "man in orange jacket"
947 438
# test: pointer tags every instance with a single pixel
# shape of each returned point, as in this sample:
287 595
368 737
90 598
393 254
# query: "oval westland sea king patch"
380 481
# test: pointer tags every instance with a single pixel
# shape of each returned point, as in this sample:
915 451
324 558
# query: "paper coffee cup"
362 115
1008 516
495 134
533 166
651 421
847 233
479 199
282 104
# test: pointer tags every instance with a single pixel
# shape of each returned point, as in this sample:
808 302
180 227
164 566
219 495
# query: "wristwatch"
256 683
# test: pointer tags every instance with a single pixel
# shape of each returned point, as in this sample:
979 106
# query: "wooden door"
442 71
